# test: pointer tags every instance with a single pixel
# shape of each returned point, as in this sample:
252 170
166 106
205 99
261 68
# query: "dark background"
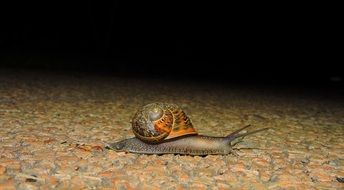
293 44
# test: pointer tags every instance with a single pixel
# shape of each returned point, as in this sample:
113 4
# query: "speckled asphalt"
54 128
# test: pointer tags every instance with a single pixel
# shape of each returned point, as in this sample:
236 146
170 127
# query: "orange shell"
158 121
181 125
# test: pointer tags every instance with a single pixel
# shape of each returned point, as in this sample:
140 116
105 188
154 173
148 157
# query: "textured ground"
54 128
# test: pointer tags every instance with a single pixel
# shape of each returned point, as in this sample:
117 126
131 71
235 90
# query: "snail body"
162 128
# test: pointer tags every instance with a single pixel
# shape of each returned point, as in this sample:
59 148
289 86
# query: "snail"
162 128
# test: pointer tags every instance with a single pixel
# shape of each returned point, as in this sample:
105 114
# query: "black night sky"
276 44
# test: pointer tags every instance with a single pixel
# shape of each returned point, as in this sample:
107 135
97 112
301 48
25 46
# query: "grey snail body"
158 120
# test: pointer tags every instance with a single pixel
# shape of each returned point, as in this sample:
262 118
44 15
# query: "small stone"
66 184
45 167
257 186
50 181
125 186
92 181
262 162
273 178
4 178
7 184
199 186
334 163
77 182
208 172
10 164
265 176
203 179
2 169
154 171
27 186
30 180
223 186
178 173
314 179
106 174
81 153
305 161
146 185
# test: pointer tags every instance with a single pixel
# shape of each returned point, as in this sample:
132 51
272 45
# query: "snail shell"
158 121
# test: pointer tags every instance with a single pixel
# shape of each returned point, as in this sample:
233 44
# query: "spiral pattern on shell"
158 121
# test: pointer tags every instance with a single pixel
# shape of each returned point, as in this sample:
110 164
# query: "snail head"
118 146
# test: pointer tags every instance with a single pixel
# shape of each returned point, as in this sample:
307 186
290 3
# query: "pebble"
6 181
2 169
27 186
